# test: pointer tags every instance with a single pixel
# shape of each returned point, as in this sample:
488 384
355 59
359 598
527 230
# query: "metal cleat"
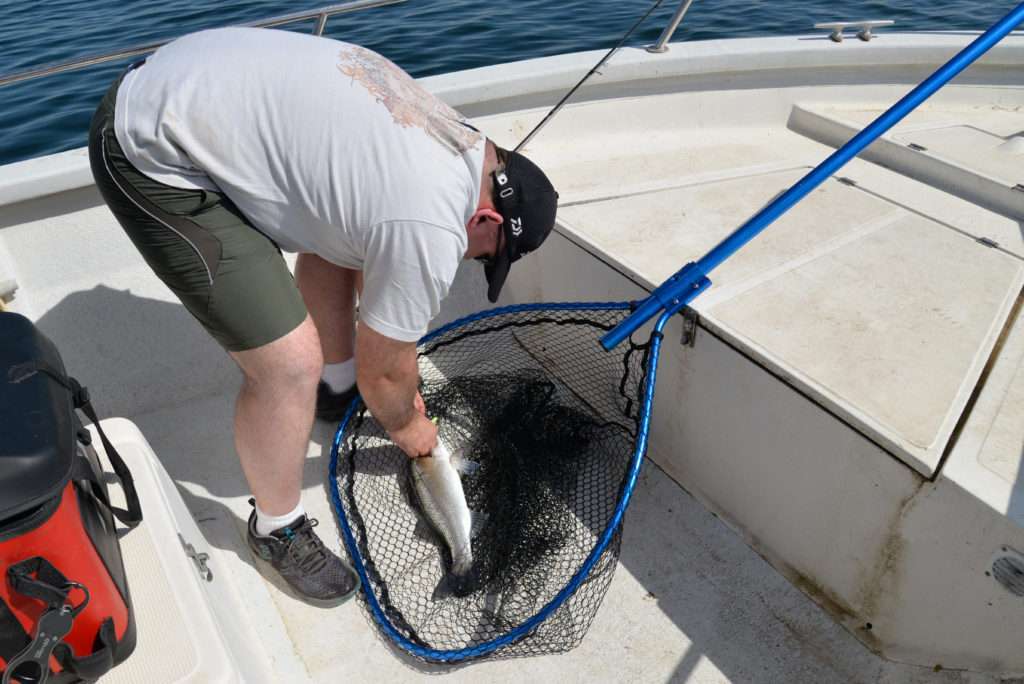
837 28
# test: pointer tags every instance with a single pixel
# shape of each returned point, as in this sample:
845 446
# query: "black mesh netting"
551 419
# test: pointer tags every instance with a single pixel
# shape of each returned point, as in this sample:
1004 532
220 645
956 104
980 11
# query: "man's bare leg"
274 415
273 420
330 295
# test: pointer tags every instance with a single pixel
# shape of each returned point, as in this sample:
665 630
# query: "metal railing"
836 28
673 24
321 15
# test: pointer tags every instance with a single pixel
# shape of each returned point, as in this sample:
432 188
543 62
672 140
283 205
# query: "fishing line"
554 110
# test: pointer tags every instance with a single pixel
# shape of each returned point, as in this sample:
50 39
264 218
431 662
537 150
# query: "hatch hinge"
988 242
919 148
847 181
690 319
198 558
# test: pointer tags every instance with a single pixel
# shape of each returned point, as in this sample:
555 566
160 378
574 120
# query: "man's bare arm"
388 378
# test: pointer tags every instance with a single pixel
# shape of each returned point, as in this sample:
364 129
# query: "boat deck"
690 601
898 353
875 319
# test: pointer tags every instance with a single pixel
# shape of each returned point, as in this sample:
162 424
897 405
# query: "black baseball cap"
527 202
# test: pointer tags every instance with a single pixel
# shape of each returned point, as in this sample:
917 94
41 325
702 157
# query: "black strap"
96 664
133 515
48 584
13 638
23 371
80 396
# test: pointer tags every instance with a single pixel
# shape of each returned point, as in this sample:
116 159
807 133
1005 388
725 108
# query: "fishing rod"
554 110
680 289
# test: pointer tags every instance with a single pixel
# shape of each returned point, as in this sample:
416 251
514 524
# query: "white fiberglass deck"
881 298
817 413
886 313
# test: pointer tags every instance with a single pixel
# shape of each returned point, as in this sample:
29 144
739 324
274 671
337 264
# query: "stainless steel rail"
321 15
836 27
673 24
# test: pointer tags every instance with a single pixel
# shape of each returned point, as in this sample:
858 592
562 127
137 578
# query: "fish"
437 487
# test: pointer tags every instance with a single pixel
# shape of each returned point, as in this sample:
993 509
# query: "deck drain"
1008 569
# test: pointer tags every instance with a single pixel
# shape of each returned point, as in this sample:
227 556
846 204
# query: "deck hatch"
972 148
883 316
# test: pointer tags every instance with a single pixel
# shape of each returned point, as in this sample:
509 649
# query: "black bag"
65 610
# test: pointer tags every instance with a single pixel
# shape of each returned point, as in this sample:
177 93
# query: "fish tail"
464 465
457 584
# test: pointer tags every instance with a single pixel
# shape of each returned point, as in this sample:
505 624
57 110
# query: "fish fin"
464 465
445 589
457 586
477 520
424 530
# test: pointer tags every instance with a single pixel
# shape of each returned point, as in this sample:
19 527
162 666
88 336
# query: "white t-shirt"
325 147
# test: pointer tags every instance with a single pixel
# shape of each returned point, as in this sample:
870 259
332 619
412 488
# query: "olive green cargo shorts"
230 276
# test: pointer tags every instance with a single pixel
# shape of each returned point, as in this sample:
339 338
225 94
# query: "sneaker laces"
306 549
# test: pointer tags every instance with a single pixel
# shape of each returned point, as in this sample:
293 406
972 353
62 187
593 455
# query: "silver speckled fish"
438 490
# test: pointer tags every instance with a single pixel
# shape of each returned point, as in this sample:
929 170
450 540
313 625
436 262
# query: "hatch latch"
198 558
690 319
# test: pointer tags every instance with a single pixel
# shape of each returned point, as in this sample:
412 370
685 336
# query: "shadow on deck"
731 616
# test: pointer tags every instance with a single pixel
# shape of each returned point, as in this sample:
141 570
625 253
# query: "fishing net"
552 420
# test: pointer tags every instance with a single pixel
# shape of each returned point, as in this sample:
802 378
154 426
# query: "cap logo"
517 226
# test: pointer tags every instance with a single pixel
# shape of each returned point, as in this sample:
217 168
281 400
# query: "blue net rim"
522 630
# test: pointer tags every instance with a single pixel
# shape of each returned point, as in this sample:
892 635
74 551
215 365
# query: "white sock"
340 376
265 524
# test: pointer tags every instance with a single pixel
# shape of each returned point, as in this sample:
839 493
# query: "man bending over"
227 146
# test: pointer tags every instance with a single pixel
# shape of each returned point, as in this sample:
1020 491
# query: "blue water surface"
424 37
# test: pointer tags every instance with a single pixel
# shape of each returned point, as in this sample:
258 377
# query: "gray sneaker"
309 567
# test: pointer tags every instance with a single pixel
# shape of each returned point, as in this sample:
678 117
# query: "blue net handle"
451 656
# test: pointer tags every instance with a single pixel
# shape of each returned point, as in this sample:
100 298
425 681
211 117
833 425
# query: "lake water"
424 37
